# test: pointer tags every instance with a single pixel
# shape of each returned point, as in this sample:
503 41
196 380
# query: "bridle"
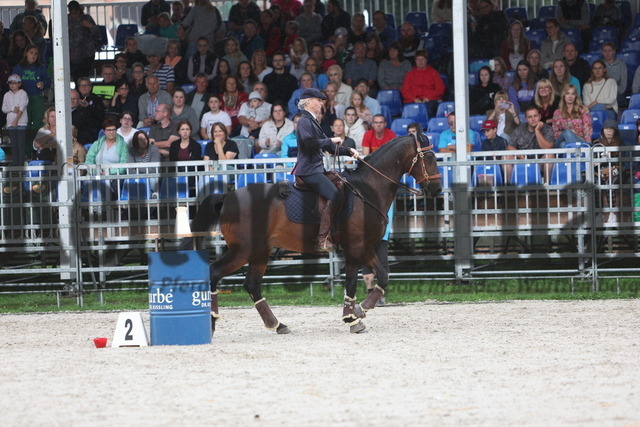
424 178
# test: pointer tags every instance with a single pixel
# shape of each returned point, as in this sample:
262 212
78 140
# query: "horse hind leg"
253 285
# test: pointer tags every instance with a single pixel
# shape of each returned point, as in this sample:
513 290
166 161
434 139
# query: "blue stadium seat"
597 120
631 43
391 20
251 178
630 116
636 20
433 45
123 32
88 146
144 129
444 108
203 145
444 31
609 34
476 64
174 187
546 12
35 174
216 184
438 125
188 87
596 45
392 99
592 10
487 175
447 176
135 189
632 60
517 13
590 57
95 191
473 79
536 36
475 122
409 181
399 126
434 138
634 102
537 24
524 174
419 20
104 38
417 112
565 173
510 75
575 36
266 156
384 110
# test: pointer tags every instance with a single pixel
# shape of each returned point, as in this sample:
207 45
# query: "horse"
253 221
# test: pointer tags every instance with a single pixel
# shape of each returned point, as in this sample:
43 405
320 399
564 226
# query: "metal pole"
61 79
462 197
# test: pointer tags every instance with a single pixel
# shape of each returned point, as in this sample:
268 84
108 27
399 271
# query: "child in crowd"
329 57
14 105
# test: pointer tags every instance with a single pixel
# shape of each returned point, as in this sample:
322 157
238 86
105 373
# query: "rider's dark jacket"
311 143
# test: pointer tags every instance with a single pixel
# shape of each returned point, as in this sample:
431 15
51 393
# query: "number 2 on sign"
129 325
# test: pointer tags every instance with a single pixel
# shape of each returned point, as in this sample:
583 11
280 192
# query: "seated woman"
142 151
186 148
560 77
534 57
546 100
45 143
246 75
220 147
504 114
571 121
515 47
274 130
601 92
124 100
110 148
482 95
500 76
233 98
521 90
126 129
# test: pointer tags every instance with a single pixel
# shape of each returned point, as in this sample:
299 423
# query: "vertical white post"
462 197
61 80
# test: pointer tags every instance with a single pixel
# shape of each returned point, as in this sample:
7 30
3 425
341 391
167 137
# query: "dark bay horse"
253 221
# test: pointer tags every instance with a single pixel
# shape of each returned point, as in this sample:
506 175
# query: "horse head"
424 166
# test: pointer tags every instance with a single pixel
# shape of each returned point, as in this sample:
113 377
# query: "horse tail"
206 216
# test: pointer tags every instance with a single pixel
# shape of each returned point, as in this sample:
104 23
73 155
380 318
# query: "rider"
311 143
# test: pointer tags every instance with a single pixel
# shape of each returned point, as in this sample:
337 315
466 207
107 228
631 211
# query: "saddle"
303 205
336 180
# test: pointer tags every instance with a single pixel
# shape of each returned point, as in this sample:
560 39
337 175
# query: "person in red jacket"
423 84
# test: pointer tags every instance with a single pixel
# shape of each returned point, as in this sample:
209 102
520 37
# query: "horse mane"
380 156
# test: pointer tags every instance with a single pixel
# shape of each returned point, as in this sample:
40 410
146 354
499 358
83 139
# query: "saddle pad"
301 206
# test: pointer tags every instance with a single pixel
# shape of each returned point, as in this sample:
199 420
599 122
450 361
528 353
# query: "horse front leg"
378 291
349 315
253 285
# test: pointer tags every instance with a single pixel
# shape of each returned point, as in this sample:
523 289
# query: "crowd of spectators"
243 78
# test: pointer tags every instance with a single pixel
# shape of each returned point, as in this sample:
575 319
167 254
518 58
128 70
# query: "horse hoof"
359 312
283 329
358 328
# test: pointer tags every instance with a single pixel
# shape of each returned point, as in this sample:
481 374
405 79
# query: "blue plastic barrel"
180 298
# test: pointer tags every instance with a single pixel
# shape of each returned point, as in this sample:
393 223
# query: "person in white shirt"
213 116
354 127
274 130
14 105
252 116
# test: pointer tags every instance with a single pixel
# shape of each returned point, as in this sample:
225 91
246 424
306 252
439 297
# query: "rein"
425 175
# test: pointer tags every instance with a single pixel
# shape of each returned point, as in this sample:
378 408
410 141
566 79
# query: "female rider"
311 143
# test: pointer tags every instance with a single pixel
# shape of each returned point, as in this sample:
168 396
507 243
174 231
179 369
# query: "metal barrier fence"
556 218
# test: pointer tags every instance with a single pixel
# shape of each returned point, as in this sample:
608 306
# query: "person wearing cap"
493 142
312 142
252 115
151 10
84 39
14 105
